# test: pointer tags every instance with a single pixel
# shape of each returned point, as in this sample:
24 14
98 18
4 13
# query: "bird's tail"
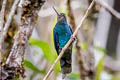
65 66
66 62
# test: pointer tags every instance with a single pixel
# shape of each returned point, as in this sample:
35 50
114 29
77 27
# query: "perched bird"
62 33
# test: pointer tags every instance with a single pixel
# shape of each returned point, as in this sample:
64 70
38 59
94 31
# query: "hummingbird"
62 32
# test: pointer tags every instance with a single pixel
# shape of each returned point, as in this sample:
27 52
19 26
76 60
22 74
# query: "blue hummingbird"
62 33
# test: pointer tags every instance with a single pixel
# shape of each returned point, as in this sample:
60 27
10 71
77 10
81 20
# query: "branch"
2 14
69 42
85 58
7 24
28 20
108 8
14 62
12 12
71 15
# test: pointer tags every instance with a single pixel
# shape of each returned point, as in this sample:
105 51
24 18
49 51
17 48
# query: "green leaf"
115 77
84 46
29 65
73 76
49 54
99 68
43 45
101 49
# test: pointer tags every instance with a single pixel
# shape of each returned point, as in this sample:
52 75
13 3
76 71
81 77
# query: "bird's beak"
56 11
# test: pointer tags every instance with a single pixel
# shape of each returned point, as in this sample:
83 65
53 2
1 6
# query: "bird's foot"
74 39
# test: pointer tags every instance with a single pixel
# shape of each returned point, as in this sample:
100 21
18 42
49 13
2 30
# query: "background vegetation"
96 51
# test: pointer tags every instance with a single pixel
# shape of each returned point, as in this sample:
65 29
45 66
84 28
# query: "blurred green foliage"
50 55
100 65
29 65
116 77
48 51
73 76
84 46
103 50
99 68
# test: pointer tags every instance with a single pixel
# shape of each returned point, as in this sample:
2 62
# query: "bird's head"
60 16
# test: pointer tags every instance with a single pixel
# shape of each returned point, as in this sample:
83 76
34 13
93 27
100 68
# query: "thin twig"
69 42
12 12
2 14
7 24
109 8
84 57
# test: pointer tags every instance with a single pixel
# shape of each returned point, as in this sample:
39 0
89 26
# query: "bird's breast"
64 33
63 39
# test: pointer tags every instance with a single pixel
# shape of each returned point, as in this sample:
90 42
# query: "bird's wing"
56 41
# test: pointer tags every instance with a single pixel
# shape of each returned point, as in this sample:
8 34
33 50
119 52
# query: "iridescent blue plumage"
62 33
